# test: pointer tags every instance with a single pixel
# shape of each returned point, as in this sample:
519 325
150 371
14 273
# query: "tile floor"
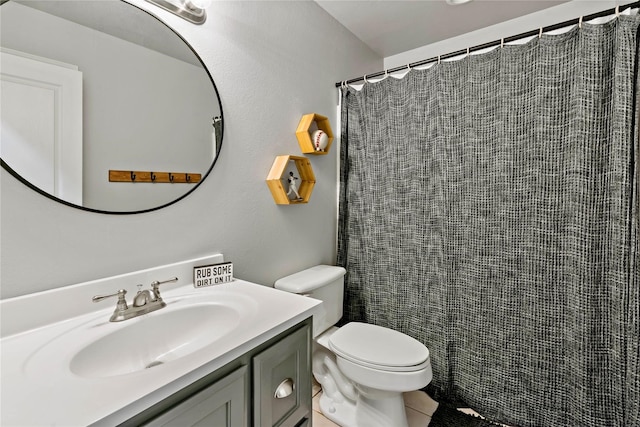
419 406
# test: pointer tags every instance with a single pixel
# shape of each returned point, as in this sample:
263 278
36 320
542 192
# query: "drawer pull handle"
285 389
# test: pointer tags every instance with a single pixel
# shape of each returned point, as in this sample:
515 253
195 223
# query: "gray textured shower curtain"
488 208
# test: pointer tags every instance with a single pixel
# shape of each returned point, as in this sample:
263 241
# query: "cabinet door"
282 381
220 404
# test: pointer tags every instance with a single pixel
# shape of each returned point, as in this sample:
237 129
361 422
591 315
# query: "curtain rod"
531 33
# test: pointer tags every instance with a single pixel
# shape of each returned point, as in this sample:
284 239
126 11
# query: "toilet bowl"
363 368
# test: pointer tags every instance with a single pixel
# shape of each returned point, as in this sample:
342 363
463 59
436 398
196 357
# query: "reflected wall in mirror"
93 86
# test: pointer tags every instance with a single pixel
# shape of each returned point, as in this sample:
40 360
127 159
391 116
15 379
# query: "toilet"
363 369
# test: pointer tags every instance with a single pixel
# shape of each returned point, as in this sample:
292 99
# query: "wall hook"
153 177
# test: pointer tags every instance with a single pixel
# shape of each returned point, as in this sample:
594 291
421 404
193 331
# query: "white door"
41 123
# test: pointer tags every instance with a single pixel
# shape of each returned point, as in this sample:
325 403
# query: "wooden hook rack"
154 177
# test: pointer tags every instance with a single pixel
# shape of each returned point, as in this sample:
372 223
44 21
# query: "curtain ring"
365 78
580 22
468 52
617 10
540 33
438 59
502 42
408 67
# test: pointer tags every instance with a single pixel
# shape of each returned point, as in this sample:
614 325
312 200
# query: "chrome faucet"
144 302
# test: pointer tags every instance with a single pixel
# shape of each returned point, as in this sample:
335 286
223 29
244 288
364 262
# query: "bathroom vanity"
268 386
235 354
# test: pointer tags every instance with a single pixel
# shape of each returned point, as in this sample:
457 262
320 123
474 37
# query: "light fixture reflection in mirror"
191 10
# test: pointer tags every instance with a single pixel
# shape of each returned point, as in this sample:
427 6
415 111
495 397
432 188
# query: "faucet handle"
155 285
121 305
120 294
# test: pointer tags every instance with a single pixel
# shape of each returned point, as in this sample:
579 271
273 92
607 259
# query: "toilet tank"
322 282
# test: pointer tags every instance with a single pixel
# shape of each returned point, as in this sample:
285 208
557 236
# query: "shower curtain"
488 208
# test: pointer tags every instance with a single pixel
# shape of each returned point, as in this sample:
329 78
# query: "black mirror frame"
8 168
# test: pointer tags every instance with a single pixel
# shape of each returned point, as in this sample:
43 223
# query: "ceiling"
390 27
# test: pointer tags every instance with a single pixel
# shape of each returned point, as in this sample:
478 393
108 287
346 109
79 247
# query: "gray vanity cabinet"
281 382
222 404
269 386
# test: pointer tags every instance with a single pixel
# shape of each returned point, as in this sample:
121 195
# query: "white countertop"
43 391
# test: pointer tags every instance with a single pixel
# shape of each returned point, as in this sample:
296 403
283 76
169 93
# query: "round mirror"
104 107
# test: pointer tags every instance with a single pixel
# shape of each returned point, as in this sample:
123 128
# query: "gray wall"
272 62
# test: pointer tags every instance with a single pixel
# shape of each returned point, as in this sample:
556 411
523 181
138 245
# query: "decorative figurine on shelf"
293 186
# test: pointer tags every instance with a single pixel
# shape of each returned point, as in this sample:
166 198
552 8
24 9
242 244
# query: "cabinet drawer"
282 381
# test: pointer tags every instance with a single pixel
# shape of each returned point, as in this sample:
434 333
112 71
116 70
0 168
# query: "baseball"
319 139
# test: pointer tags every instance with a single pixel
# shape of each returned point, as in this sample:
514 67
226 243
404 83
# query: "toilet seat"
379 348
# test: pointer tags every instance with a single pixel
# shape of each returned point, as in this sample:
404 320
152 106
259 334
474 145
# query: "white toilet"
363 368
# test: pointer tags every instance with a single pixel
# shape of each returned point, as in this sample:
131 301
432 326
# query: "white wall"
272 62
544 18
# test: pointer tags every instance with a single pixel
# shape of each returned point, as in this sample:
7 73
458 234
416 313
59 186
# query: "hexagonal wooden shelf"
310 123
281 165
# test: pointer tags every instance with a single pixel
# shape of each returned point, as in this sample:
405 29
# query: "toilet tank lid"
310 279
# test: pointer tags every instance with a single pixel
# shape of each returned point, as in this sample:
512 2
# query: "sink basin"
92 348
151 341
